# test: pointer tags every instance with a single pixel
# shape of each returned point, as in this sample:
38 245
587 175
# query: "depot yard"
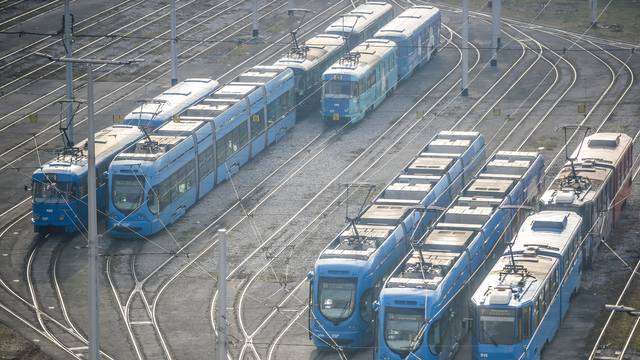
158 294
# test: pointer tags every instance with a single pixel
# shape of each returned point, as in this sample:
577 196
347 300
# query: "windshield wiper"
486 333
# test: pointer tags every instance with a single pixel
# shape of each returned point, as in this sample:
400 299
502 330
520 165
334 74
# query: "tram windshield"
497 326
337 297
128 192
341 88
51 190
403 328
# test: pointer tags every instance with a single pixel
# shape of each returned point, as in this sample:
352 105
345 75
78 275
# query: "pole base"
255 33
174 82
494 62
499 42
465 92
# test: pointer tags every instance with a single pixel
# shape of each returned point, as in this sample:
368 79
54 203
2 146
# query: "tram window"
205 162
435 338
526 322
257 123
282 105
83 189
366 310
497 326
152 200
371 80
231 142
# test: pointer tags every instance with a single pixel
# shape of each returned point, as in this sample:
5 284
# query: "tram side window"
205 162
366 310
279 107
102 169
435 338
231 142
257 123
526 322
82 190
175 185
371 80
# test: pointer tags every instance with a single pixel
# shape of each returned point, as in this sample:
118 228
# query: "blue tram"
514 308
359 81
308 62
594 184
173 101
59 187
416 33
348 275
154 182
362 22
418 314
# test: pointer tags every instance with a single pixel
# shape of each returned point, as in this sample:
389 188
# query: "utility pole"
594 13
68 42
254 19
465 48
94 313
221 318
174 45
495 31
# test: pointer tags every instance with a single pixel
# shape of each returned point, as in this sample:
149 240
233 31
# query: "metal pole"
465 48
594 13
174 45
221 319
67 40
495 32
254 18
94 330
290 7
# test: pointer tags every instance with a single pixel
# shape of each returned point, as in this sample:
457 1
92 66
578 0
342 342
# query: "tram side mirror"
105 174
310 276
375 305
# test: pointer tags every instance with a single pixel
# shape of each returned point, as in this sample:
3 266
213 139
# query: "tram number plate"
336 116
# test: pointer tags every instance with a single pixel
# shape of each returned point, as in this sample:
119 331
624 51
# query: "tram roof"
314 51
362 57
547 230
408 21
512 288
359 18
107 141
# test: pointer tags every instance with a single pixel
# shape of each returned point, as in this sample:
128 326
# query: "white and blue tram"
362 22
359 81
418 314
416 33
154 182
171 102
59 187
348 275
514 308
594 185
308 62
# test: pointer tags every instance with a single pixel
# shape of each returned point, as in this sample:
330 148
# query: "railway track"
40 311
108 98
617 340
281 253
296 317
28 14
131 87
139 292
81 25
